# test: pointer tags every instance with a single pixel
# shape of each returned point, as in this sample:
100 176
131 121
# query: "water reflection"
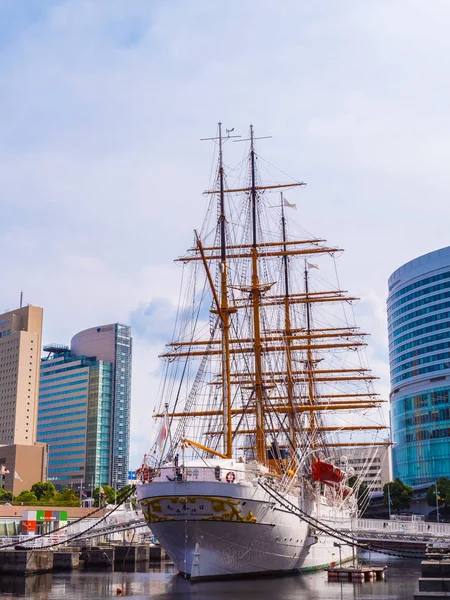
159 581
12 586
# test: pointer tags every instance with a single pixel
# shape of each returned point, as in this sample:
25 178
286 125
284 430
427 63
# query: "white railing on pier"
405 528
31 541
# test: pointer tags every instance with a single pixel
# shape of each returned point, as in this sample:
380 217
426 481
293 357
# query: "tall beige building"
374 465
20 351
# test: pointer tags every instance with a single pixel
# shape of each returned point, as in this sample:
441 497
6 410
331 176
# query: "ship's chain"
66 541
335 533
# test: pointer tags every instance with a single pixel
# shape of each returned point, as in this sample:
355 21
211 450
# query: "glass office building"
113 344
74 417
418 309
122 406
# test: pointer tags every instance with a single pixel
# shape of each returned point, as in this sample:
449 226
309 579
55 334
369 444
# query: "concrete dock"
435 580
131 554
27 562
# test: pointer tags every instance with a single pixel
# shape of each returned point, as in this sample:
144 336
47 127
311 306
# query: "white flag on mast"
288 204
162 433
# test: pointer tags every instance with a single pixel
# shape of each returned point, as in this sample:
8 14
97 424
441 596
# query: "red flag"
162 434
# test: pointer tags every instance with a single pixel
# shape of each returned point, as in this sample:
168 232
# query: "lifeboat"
326 472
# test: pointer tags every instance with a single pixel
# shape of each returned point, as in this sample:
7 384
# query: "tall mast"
288 332
225 315
259 391
309 358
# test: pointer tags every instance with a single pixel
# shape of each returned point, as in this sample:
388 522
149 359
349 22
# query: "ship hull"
218 530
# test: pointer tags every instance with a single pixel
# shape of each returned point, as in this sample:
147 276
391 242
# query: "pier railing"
405 531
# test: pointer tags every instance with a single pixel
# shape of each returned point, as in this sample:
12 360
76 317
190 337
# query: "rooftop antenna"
21 298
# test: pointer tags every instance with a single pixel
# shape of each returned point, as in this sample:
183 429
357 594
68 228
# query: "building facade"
20 350
113 344
418 309
26 464
74 417
372 465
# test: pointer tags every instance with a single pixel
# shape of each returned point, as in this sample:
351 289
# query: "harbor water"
162 583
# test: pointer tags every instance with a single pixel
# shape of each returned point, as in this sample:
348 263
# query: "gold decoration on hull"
225 509
229 510
150 510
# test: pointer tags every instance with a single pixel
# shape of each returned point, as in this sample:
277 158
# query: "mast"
309 359
225 315
255 291
288 332
254 372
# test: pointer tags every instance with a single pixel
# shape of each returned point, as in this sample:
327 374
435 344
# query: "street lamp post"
389 500
336 545
437 503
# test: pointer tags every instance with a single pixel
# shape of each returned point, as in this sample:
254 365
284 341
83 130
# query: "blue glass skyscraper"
418 309
84 407
113 344
74 417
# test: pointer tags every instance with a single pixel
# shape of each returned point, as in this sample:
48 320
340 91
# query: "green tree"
399 494
443 489
108 495
124 492
362 491
5 496
26 497
44 490
66 497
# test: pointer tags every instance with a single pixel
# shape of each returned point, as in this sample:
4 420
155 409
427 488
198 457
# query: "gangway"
406 532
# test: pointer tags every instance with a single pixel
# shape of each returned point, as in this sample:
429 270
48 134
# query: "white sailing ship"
266 398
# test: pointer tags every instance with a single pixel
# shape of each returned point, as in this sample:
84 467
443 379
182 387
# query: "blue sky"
102 106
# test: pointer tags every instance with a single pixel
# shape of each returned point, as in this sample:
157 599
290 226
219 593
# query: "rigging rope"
326 529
